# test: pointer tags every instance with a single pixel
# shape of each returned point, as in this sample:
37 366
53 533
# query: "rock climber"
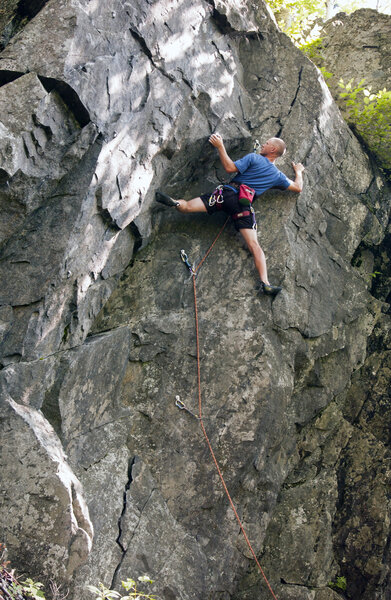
259 173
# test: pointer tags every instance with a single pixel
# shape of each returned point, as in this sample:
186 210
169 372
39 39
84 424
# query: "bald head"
280 145
273 148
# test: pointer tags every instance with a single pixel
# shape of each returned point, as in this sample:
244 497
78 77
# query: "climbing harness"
246 197
246 213
193 271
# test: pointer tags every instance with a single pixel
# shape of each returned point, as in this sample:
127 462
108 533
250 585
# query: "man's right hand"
216 140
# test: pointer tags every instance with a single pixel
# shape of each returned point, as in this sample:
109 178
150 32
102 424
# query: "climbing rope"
194 270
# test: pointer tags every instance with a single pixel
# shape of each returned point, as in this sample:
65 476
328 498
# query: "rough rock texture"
358 46
357 49
118 100
42 502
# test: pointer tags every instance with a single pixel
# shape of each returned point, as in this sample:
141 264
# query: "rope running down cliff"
194 271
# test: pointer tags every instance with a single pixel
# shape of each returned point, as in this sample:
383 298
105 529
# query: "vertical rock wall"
100 105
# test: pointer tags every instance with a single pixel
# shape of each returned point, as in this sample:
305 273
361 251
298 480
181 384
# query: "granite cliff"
102 476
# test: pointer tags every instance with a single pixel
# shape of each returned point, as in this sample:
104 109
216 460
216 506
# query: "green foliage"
33 589
369 114
339 585
12 588
326 74
297 17
301 19
102 592
313 49
130 585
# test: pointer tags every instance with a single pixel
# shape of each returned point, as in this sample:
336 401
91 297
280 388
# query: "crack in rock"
124 546
121 519
142 43
281 125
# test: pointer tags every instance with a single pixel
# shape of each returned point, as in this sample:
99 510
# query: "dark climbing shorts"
230 205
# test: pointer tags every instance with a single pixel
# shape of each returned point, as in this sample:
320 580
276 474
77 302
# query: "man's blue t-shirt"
259 173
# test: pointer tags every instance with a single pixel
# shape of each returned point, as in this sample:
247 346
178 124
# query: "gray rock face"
357 46
97 315
44 513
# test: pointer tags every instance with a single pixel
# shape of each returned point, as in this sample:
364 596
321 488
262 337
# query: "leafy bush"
130 585
369 114
313 49
11 587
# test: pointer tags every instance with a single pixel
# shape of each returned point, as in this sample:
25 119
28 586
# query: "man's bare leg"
191 206
250 236
251 239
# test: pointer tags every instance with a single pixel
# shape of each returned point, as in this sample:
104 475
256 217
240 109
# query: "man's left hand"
298 167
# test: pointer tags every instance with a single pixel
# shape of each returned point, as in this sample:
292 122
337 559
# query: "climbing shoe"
165 199
269 290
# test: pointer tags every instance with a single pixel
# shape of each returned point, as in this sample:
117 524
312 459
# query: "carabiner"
212 200
179 403
185 259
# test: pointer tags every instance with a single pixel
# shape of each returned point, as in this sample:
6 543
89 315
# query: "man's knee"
254 246
191 206
182 206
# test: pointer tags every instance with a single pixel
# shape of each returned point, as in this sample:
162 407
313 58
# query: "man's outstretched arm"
297 185
217 141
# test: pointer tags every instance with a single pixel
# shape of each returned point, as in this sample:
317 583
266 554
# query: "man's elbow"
231 169
296 187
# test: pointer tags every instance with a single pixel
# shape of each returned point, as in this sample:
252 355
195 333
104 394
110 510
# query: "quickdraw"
179 404
187 263
217 196
182 406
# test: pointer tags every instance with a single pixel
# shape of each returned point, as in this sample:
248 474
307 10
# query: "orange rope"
202 423
210 249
